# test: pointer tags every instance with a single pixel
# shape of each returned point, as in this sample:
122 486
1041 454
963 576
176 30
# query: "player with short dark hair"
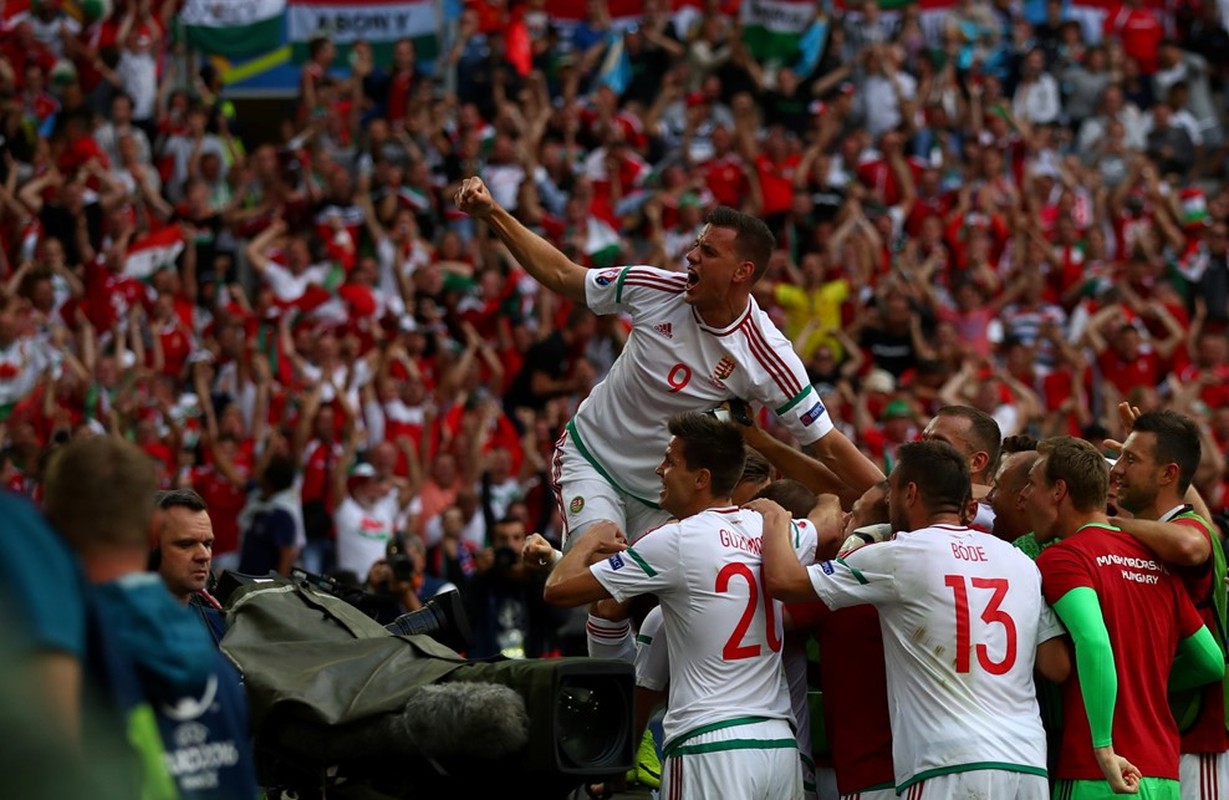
1127 615
699 338
728 724
964 625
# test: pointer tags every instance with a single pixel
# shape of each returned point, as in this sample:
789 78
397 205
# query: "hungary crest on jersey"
724 368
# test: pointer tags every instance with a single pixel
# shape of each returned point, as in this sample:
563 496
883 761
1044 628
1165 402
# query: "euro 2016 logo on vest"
724 368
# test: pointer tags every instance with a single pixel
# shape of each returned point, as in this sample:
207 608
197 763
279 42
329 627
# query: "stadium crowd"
1029 218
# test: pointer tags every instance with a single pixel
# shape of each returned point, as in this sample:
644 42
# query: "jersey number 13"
991 615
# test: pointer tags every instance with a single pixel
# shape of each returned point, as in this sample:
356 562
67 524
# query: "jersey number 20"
992 615
734 648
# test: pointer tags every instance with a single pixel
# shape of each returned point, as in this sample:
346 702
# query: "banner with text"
378 22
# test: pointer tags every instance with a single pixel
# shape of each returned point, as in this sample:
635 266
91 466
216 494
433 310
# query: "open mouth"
693 278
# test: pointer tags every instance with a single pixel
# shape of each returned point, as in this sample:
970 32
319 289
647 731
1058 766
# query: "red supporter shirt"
1145 370
727 180
1145 622
1140 32
176 344
226 501
857 722
776 182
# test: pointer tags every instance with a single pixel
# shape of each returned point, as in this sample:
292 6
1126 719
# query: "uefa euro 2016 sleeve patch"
827 567
815 413
616 561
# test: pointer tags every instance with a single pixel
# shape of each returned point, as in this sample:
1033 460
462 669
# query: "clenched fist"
474 199
538 554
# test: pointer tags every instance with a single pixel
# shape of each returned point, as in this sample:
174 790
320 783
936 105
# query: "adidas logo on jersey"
665 329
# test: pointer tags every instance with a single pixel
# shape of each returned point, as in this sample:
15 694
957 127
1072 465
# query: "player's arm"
572 583
799 466
1199 660
540 258
841 456
1080 611
1053 660
1185 543
863 577
784 576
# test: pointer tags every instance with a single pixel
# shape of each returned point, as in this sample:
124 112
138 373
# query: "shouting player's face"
712 266
1134 477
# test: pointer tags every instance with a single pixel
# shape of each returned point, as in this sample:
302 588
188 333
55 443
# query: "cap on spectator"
846 88
690 200
879 380
361 471
696 99
896 409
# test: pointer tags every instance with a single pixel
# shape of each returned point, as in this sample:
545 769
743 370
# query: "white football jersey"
723 632
962 615
673 363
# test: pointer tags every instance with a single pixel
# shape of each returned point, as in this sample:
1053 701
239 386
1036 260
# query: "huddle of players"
965 620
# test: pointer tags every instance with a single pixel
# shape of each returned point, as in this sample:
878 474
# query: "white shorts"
585 497
1204 776
990 783
761 764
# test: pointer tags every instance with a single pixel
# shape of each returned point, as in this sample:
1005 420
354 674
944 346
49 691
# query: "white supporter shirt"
363 533
953 703
723 631
288 287
673 363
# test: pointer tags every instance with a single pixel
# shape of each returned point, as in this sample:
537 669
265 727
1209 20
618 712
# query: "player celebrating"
976 435
1153 476
727 730
1128 615
698 339
963 626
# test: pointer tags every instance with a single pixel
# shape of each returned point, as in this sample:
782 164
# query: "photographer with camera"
504 602
399 582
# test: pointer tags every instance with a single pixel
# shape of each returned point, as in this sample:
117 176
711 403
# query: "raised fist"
474 199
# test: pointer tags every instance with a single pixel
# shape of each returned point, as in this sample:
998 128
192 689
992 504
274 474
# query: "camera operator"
503 601
400 583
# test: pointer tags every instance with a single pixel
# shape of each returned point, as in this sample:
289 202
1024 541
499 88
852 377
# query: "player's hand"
1122 776
1127 414
474 199
538 553
604 538
768 509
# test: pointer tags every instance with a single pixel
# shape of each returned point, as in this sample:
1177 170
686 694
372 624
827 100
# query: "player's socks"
609 639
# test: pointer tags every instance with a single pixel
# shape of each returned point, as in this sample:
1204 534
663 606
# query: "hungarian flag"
234 28
773 29
154 251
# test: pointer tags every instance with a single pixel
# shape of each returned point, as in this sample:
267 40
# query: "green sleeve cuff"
1199 661
1080 611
